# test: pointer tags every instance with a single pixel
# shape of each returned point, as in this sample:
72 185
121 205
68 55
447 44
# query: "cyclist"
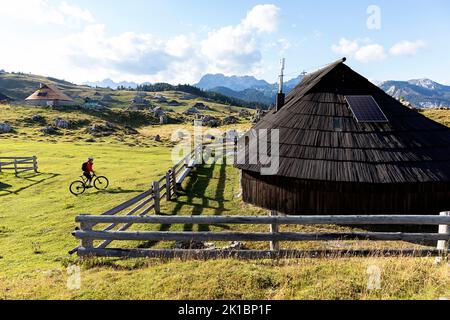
88 171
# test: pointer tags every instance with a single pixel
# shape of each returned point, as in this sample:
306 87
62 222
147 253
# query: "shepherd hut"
48 95
345 148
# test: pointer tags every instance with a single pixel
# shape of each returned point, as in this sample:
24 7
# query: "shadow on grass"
33 179
120 191
194 190
404 229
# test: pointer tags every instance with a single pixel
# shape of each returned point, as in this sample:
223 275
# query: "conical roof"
409 148
49 92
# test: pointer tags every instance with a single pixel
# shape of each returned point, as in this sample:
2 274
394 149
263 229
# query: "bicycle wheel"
101 183
77 188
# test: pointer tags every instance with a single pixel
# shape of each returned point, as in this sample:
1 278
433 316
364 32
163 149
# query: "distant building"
48 95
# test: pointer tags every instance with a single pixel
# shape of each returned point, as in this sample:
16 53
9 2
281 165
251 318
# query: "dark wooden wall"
303 197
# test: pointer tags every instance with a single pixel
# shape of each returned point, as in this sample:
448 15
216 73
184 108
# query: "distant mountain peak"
425 83
422 93
108 83
236 83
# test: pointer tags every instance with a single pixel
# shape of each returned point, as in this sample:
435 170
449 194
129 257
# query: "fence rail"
135 211
18 164
150 200
87 234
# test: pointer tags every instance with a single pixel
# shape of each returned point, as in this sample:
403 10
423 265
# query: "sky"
178 41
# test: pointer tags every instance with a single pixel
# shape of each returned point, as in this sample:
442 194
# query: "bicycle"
79 187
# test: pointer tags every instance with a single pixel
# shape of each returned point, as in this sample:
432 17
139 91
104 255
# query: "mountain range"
246 88
422 93
108 83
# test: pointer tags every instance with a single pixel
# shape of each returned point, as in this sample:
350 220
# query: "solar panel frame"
365 109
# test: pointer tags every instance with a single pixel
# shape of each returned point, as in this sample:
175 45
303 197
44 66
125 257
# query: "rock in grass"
210 122
5 128
38 118
61 123
244 113
192 111
188 245
201 106
236 245
157 138
50 130
230 120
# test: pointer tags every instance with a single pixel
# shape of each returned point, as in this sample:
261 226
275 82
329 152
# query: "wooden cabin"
48 95
346 147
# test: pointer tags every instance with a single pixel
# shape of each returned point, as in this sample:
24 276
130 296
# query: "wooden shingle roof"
410 148
49 92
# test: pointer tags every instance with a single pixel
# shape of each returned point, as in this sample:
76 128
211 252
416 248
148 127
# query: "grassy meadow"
37 215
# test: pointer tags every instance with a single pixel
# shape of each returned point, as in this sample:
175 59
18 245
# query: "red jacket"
89 167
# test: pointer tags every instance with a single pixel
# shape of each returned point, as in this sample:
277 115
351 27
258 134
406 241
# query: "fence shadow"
195 189
33 179
404 229
120 191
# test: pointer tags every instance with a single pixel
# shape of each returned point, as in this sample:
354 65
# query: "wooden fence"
135 212
150 201
87 234
18 164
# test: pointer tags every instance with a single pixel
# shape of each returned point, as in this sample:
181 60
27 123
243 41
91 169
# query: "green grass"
37 215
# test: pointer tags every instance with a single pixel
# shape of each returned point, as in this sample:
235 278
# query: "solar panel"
366 109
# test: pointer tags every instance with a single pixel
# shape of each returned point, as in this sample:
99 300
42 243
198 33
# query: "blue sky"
180 40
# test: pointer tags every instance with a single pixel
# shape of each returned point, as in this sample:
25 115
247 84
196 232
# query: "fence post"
35 165
274 228
168 186
443 245
86 243
174 180
157 195
15 166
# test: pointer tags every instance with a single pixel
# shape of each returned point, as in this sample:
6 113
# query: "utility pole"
281 96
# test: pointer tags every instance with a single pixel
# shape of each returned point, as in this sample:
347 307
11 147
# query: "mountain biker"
88 171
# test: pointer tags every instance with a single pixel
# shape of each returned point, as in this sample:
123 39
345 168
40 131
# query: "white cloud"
180 46
361 50
366 51
263 18
283 45
45 12
346 47
407 48
371 52
237 49
90 53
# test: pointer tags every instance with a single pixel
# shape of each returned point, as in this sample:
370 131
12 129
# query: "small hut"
345 148
48 95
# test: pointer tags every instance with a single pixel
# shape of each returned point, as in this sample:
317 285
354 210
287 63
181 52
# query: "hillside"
36 235
19 86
